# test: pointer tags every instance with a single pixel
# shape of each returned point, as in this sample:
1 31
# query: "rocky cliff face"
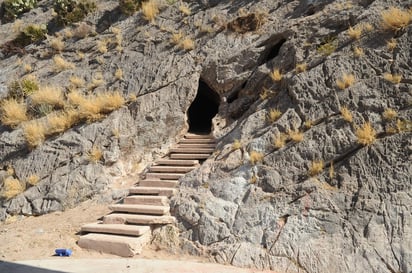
312 171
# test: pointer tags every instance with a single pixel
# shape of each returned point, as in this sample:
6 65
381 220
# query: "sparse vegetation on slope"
255 157
316 167
150 9
129 7
345 81
13 112
14 8
395 18
11 188
292 84
366 134
71 11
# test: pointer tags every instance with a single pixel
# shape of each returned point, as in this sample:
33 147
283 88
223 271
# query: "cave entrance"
203 109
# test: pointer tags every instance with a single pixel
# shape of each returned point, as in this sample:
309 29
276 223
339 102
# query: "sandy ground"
32 238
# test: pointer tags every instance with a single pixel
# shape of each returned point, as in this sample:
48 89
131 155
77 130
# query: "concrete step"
123 246
159 183
196 145
146 200
160 191
119 229
171 162
123 218
189 156
171 169
169 176
196 136
192 150
197 141
144 209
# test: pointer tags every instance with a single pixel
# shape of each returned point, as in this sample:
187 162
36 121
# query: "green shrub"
71 11
11 9
327 46
35 32
129 7
31 34
23 88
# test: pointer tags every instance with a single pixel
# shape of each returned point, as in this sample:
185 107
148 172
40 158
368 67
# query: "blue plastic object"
63 252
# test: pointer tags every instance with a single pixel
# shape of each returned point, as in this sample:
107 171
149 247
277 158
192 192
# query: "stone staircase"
127 229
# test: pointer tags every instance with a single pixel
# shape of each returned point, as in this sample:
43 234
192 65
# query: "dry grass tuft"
92 107
11 188
316 167
57 44
355 32
236 144
108 102
253 179
358 52
150 10
13 112
187 44
132 97
395 19
367 26
296 135
301 67
60 122
68 33
33 180
366 134
389 114
331 170
391 44
393 78
95 154
61 64
267 93
276 75
182 42
34 132
176 37
102 46
404 125
27 68
308 123
274 115
89 110
280 140
82 30
118 74
77 82
346 81
75 97
185 9
51 95
346 114
255 157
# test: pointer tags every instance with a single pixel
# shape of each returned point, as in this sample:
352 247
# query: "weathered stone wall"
353 216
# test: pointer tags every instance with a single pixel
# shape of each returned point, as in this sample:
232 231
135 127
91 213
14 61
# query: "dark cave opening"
203 109
274 50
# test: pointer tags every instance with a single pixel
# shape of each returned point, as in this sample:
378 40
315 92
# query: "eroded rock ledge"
259 202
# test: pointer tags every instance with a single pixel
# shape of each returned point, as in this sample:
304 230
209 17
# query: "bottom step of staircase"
123 246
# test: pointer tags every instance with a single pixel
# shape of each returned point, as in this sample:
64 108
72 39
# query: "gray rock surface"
353 216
